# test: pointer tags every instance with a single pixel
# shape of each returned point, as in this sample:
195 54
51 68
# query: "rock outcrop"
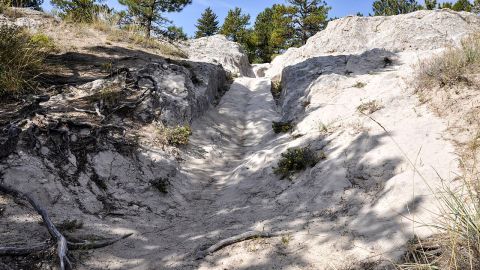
416 31
219 50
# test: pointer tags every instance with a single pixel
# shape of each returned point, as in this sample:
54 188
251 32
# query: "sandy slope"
355 207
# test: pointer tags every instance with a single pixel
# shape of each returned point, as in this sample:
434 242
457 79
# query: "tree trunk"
148 28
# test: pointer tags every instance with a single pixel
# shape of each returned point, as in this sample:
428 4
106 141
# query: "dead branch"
62 244
236 239
96 244
62 248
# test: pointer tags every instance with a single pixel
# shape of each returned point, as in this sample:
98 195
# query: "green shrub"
454 66
359 85
296 159
21 59
282 127
79 11
173 136
160 184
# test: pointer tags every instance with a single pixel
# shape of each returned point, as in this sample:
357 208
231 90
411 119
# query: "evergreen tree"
394 7
273 32
462 5
174 33
207 25
445 5
85 11
430 4
309 17
35 4
149 12
476 6
235 24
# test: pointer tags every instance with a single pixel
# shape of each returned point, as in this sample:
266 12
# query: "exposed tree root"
62 244
236 239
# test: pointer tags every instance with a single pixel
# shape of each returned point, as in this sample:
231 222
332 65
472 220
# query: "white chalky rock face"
421 30
219 50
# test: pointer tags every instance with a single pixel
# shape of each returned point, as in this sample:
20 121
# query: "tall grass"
457 65
21 59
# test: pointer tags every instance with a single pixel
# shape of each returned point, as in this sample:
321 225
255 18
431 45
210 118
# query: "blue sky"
188 17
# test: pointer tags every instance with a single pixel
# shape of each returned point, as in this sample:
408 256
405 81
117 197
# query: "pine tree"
445 5
273 32
476 6
394 7
174 33
235 24
207 25
84 11
149 12
430 4
462 5
35 4
309 17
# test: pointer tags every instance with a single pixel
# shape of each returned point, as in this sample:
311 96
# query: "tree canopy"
394 7
79 10
35 4
308 18
148 13
207 24
235 24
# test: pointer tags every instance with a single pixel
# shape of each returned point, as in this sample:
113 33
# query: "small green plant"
369 107
109 95
107 67
21 59
276 89
322 128
282 127
161 184
359 85
176 136
297 159
286 239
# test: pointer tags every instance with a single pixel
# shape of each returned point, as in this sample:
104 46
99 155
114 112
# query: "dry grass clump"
457 246
359 85
276 89
134 35
369 107
22 57
454 66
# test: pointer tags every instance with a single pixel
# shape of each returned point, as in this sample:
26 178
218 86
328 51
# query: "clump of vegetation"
22 57
276 89
282 127
176 136
369 107
454 66
457 246
132 34
79 11
297 159
161 184
109 95
359 85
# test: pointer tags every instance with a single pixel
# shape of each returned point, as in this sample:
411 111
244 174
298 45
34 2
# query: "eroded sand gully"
355 206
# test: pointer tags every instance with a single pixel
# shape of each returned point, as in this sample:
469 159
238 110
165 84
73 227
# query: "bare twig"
236 239
62 248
